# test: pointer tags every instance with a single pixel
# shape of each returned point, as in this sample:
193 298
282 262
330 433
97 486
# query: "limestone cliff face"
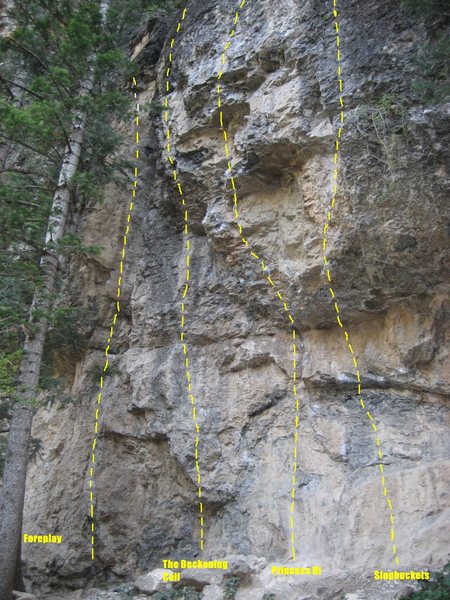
388 253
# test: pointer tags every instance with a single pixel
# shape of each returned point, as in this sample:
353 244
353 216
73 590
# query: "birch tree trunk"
16 459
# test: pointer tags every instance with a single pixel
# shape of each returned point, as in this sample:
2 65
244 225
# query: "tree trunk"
16 460
19 584
12 501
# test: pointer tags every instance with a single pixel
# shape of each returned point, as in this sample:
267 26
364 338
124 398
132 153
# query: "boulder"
243 567
153 582
213 592
199 578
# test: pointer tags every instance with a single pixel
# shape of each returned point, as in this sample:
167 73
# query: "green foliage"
24 208
383 126
63 339
95 372
230 588
191 594
437 588
184 594
426 9
36 449
44 60
71 244
389 102
125 589
154 107
432 62
269 596
124 18
34 126
9 367
432 84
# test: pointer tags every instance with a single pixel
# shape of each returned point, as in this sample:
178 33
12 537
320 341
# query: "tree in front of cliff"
57 101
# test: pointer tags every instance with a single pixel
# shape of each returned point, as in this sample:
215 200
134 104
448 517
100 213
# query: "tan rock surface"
388 251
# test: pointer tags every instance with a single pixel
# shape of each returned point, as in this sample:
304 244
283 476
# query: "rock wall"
388 253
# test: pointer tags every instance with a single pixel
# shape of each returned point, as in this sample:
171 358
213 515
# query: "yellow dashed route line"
186 283
330 288
111 330
273 285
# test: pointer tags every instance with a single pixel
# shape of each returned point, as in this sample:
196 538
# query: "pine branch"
29 17
23 202
24 172
43 64
22 87
30 52
36 95
29 147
